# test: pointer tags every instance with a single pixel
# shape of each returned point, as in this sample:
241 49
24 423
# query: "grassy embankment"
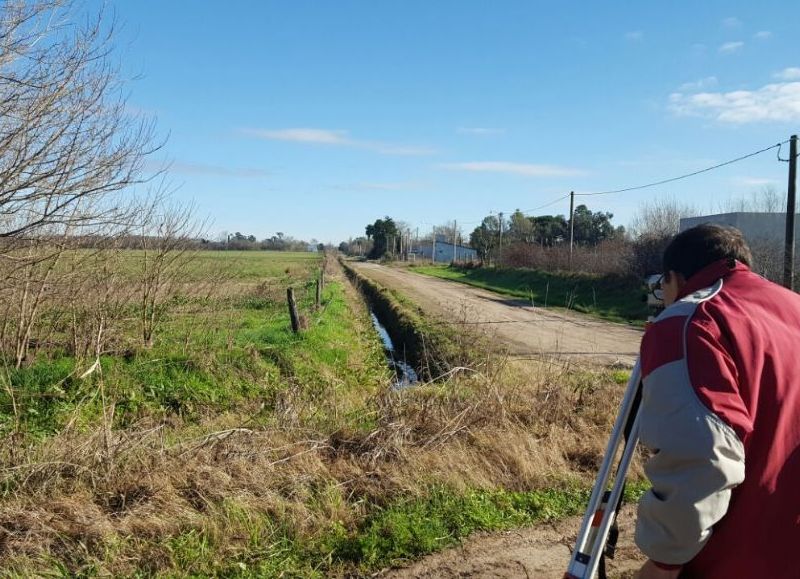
234 448
610 297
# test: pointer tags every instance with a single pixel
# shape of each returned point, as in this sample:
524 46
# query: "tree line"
242 242
589 229
388 236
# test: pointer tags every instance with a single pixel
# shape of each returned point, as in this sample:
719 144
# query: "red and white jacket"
721 412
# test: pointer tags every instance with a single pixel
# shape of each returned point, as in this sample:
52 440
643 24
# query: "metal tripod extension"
590 547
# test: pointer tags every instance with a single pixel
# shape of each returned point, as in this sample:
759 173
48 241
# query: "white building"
756 227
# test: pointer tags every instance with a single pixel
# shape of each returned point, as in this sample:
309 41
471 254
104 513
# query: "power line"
653 184
687 175
553 202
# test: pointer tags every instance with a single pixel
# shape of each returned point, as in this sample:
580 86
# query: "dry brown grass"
111 502
522 429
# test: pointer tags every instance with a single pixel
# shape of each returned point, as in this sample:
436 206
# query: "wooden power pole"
455 239
788 255
500 250
571 225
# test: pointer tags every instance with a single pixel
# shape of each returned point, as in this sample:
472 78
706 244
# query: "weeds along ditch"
431 350
232 447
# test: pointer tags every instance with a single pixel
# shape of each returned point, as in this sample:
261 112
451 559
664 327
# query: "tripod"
597 537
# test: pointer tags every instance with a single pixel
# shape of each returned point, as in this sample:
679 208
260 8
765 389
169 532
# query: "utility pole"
500 250
433 247
571 225
455 239
788 255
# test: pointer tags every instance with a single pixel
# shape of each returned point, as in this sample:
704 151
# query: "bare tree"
168 245
652 227
65 136
764 200
660 217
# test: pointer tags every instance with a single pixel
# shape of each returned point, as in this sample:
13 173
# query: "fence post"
293 310
319 293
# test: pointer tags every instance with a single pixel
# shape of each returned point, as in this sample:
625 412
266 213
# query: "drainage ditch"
412 355
404 374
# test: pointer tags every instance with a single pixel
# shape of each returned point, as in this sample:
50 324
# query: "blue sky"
315 118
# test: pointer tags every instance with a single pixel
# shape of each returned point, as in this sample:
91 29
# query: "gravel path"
524 330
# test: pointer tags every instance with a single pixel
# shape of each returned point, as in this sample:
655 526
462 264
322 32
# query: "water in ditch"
404 374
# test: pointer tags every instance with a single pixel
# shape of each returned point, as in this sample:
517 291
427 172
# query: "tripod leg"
602 507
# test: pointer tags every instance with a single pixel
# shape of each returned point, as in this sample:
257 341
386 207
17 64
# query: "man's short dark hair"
693 249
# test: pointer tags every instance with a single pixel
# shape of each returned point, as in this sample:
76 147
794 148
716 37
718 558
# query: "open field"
232 447
609 297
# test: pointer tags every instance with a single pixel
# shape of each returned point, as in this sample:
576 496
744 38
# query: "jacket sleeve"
697 460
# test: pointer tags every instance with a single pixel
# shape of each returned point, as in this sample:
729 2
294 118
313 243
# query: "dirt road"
524 330
537 552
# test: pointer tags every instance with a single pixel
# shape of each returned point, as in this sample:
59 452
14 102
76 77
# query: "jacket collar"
711 273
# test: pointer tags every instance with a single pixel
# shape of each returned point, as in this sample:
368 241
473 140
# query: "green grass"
402 531
609 297
228 265
220 355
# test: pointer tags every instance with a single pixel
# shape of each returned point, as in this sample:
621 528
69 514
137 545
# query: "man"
720 412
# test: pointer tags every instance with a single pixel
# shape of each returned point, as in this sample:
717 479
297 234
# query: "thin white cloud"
791 73
480 131
731 47
524 169
731 22
762 35
379 186
775 102
703 83
335 138
316 136
634 36
401 150
753 181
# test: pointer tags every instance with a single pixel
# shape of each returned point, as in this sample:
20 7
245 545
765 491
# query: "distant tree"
590 228
485 238
550 229
660 217
765 200
382 233
652 227
520 227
